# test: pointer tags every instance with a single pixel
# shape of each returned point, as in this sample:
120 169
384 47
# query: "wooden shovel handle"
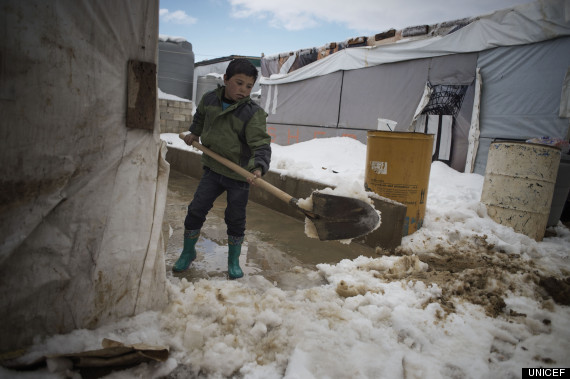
284 196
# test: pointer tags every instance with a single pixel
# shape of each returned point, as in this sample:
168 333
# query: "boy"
228 122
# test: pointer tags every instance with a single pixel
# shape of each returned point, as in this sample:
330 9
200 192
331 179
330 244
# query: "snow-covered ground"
167 96
463 297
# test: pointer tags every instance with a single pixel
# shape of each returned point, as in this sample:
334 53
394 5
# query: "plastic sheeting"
356 99
565 97
176 67
83 196
523 56
522 87
389 91
314 102
528 23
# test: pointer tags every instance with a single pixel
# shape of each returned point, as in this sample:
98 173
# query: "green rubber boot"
234 250
189 252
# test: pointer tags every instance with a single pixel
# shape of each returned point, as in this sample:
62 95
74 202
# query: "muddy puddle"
275 245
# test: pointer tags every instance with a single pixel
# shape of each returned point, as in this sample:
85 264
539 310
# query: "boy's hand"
256 174
189 138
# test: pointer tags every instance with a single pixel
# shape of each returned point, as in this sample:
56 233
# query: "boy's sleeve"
259 141
198 119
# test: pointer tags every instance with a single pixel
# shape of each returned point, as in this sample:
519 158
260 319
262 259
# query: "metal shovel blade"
340 217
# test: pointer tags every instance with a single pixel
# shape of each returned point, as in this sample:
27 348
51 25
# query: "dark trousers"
210 187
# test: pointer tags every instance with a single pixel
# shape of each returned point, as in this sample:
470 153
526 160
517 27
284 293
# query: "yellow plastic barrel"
397 167
519 184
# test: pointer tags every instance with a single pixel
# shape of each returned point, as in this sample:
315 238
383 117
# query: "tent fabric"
565 97
356 99
460 131
460 128
524 24
83 196
284 105
457 69
286 66
391 88
287 62
268 66
304 57
521 55
521 93
441 128
384 91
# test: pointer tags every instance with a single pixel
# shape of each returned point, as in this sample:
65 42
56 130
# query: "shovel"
335 217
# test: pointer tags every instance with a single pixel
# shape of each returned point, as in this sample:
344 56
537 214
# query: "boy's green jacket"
237 133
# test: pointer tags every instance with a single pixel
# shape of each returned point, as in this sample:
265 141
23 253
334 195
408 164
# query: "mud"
559 289
472 271
276 247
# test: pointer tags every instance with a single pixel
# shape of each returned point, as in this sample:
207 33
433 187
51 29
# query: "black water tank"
175 67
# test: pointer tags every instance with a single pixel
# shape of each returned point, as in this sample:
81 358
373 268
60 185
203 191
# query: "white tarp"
83 196
351 102
523 54
524 24
521 94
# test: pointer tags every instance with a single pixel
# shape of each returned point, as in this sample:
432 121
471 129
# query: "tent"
501 75
83 175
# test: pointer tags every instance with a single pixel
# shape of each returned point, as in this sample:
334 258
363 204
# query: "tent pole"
340 100
474 129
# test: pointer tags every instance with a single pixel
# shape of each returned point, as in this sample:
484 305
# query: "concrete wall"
175 116
388 236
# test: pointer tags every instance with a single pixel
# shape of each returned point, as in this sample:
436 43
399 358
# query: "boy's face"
238 86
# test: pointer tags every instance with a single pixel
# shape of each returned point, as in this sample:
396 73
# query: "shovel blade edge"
341 217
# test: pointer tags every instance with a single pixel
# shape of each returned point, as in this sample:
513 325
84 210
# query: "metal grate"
445 100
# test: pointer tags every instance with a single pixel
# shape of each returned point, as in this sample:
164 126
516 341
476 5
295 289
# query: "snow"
460 298
331 161
215 75
167 96
175 39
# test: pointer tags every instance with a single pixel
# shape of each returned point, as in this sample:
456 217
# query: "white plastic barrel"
206 84
519 184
